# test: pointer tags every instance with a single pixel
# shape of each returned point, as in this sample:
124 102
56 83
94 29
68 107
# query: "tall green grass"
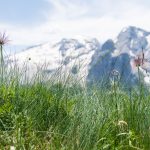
65 115
58 113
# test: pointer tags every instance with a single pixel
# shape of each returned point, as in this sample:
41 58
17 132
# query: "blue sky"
23 12
30 22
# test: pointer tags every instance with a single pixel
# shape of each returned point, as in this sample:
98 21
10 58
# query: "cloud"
66 9
75 9
102 19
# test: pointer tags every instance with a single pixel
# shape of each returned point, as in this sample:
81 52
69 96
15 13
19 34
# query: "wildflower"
114 76
122 123
3 39
12 148
115 73
138 62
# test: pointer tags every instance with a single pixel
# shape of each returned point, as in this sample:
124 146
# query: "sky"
31 22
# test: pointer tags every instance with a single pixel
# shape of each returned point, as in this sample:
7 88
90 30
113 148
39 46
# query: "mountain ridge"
93 60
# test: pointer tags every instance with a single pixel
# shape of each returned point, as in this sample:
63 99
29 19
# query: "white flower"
12 148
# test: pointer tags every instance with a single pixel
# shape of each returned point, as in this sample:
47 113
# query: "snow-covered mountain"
130 48
92 61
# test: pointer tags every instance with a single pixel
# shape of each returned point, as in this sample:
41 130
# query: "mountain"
130 45
92 61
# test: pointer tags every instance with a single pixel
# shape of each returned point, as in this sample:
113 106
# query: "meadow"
61 114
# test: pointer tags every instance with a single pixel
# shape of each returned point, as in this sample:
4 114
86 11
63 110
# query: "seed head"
3 39
115 73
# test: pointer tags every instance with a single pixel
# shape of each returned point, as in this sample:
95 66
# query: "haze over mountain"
90 60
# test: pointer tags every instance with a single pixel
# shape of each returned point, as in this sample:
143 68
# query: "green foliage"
62 115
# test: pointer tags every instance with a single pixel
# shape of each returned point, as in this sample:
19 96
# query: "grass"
60 114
